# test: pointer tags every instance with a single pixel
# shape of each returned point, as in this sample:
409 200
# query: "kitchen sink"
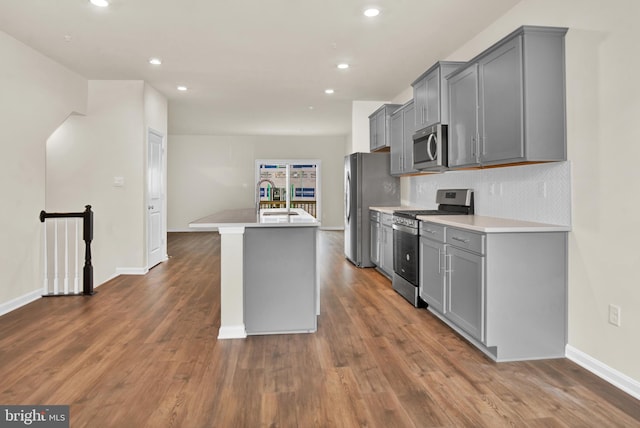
279 213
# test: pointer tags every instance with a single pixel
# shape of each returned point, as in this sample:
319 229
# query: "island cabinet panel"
280 288
504 292
507 105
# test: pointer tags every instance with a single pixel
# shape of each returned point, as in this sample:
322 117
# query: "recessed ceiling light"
155 61
310 107
371 12
182 88
343 66
99 3
329 91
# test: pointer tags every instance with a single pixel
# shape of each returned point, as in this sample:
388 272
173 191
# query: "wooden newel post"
87 236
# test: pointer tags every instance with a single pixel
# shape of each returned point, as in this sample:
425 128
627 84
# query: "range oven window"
405 253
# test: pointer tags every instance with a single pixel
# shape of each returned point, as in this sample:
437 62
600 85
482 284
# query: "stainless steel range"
406 239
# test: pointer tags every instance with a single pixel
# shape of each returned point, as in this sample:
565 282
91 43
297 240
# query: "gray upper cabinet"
396 143
507 105
463 130
379 127
408 126
431 95
401 134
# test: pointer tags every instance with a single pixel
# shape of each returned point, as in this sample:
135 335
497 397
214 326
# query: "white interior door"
156 239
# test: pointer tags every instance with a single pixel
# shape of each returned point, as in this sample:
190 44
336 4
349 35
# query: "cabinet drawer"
374 216
386 219
467 240
432 231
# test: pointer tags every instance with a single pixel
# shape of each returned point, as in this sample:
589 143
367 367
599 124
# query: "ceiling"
253 67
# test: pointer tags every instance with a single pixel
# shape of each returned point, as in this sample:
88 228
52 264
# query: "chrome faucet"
264 180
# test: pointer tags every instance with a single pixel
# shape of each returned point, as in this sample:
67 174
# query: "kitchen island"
268 278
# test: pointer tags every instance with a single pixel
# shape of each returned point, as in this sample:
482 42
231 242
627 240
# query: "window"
289 184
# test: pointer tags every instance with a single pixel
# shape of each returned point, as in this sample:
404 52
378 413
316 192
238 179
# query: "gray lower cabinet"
504 292
379 127
386 244
374 226
401 134
507 105
381 241
432 278
465 291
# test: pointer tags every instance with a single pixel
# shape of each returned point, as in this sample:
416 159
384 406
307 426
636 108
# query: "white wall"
37 95
86 153
360 111
213 173
603 107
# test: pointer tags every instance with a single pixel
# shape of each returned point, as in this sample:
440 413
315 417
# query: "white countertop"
246 217
486 224
390 210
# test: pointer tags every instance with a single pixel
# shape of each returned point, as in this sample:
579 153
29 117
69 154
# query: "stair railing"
67 289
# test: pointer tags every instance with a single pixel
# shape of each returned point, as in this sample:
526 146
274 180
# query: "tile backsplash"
539 192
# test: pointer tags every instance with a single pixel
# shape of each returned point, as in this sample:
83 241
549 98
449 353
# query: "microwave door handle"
432 150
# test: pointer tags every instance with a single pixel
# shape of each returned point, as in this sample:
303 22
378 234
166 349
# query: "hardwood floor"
143 352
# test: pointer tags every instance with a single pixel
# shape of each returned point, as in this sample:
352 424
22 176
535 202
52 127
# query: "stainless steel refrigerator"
367 182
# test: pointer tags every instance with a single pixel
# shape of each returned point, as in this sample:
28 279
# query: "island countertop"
247 217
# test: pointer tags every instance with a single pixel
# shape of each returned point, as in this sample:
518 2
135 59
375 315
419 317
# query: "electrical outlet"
614 315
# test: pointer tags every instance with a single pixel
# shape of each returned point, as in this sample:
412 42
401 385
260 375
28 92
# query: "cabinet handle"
447 266
455 238
433 232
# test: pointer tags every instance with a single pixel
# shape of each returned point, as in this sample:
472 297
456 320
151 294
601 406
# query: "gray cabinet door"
501 103
408 125
420 103
373 136
381 129
375 242
432 273
396 143
432 114
463 117
386 249
465 291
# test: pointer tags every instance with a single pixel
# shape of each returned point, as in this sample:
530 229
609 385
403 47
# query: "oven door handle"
405 229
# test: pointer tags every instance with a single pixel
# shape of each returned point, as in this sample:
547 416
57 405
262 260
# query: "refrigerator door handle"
347 198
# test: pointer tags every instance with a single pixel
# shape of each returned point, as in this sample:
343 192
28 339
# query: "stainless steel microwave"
430 148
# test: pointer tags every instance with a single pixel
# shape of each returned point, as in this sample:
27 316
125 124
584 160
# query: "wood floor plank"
143 352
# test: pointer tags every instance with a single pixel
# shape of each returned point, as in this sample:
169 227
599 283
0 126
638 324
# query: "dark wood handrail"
87 237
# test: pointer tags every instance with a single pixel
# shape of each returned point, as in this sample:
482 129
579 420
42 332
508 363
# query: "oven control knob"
408 257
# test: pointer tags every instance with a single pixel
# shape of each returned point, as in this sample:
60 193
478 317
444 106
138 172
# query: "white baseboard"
611 375
213 229
18 302
131 271
232 332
